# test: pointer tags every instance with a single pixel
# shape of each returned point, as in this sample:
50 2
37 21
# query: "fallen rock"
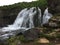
43 40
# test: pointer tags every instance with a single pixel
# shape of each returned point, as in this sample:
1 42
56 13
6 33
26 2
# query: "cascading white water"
46 16
22 18
20 24
31 15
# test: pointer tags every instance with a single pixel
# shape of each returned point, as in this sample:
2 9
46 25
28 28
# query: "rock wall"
8 16
54 6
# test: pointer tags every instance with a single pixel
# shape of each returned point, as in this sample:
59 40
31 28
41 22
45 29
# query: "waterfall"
22 18
31 15
46 16
20 24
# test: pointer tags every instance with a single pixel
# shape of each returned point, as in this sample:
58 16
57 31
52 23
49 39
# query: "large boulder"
31 34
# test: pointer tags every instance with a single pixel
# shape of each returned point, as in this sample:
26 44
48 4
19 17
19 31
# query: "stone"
31 34
43 40
51 24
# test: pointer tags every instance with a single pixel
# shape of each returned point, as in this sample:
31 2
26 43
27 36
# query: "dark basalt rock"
31 34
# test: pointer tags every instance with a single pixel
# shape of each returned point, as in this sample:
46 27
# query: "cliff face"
8 16
54 6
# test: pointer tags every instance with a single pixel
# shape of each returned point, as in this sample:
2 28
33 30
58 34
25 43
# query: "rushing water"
46 16
24 17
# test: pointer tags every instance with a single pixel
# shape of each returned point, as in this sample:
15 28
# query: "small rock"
43 40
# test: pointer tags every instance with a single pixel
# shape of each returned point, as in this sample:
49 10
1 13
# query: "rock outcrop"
54 6
54 22
31 34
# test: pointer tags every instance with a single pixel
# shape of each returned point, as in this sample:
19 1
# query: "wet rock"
31 34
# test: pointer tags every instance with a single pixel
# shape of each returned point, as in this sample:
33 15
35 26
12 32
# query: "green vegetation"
21 5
